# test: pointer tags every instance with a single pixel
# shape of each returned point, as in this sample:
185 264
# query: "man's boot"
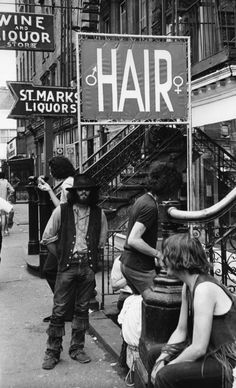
76 350
53 351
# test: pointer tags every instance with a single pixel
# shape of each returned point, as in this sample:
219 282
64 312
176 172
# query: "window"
70 139
32 64
60 139
45 79
53 74
107 25
21 71
45 55
227 15
31 6
123 24
143 17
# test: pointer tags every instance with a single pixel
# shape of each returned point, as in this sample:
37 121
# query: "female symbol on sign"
178 84
91 80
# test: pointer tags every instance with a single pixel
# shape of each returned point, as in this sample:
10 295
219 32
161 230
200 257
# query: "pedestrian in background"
201 352
75 233
63 171
6 189
7 208
14 181
141 260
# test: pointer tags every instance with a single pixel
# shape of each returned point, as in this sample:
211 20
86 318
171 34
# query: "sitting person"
119 283
130 319
201 352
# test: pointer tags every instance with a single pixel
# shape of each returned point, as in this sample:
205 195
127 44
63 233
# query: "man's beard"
84 200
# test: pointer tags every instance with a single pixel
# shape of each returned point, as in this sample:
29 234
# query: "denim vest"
67 236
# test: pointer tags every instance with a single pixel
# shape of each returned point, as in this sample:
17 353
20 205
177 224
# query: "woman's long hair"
185 253
93 198
61 167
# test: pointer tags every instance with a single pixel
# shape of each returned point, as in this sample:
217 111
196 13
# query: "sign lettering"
124 80
20 31
42 100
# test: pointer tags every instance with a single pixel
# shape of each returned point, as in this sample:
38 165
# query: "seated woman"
201 352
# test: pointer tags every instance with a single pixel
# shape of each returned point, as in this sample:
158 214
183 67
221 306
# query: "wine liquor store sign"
26 31
33 100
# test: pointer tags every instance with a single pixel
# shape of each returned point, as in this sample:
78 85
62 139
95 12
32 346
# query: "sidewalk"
25 300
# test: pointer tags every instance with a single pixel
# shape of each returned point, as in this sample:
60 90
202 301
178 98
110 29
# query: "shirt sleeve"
146 215
65 185
50 233
10 188
104 229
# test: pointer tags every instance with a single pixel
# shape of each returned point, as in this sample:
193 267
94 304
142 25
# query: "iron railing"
219 159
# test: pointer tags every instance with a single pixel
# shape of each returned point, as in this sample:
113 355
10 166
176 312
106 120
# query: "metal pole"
105 35
33 244
189 137
79 104
48 145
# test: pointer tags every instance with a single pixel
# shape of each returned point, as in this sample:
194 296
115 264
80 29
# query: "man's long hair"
164 179
93 198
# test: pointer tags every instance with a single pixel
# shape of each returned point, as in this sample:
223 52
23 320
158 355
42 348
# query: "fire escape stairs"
120 166
216 158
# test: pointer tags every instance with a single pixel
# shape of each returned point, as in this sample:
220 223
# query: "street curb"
106 331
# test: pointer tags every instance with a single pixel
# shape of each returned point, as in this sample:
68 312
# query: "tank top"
222 343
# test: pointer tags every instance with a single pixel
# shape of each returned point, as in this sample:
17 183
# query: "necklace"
194 282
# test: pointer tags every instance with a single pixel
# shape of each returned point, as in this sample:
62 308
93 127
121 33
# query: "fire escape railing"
221 160
221 249
115 155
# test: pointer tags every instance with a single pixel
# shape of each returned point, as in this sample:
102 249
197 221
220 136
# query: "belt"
79 258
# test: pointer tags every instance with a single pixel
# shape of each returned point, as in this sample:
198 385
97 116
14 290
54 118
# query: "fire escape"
90 16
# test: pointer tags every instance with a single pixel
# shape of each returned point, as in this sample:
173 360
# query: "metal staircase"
220 160
120 166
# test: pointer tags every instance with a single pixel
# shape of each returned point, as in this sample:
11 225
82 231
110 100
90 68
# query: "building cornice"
213 78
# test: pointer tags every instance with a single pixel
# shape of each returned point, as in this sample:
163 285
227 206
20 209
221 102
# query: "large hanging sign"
133 80
26 31
42 100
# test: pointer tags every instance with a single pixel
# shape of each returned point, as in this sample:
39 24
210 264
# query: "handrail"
104 149
198 131
205 215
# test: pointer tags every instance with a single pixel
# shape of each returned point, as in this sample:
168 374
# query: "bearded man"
75 233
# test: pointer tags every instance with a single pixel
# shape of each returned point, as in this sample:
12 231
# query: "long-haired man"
74 233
